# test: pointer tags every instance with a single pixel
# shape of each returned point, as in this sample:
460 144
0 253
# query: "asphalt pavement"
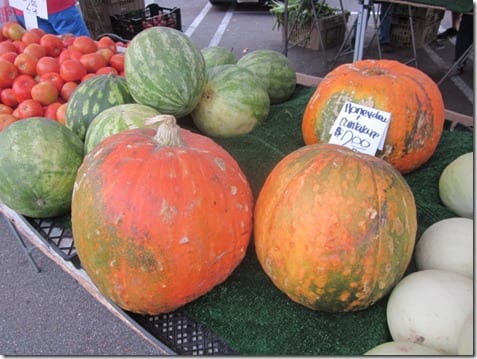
49 313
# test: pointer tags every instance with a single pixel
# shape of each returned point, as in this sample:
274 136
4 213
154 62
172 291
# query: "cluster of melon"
160 215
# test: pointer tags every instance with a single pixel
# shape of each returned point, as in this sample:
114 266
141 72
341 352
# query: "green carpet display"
253 316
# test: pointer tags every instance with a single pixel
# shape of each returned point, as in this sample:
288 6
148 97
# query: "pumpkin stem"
168 132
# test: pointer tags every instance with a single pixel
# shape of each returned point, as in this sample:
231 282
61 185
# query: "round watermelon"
164 69
218 55
117 119
274 70
93 96
233 103
39 158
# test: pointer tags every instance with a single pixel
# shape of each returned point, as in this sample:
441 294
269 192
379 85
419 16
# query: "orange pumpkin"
159 219
413 99
334 229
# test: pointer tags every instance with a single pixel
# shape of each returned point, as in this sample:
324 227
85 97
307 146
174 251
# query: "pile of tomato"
39 71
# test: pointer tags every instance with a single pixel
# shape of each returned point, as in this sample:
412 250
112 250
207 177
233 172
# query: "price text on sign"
360 128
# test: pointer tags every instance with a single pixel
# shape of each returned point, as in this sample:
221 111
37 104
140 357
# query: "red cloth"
54 6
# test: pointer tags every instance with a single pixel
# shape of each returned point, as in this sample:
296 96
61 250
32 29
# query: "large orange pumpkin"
413 99
334 229
159 219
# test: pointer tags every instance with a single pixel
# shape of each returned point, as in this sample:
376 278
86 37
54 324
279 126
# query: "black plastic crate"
130 24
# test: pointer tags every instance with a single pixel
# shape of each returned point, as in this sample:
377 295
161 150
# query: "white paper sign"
37 7
360 128
31 9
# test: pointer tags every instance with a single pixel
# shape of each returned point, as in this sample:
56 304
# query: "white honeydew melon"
448 245
429 308
456 185
465 344
402 348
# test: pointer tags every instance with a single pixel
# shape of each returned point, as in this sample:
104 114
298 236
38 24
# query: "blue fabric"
67 21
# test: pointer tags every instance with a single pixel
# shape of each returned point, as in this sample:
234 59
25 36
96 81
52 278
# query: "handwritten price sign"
31 9
360 128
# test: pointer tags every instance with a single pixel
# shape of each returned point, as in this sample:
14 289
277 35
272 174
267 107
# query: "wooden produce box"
332 28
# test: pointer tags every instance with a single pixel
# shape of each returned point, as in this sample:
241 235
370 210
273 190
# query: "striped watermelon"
218 55
234 102
93 96
274 70
39 158
117 119
165 70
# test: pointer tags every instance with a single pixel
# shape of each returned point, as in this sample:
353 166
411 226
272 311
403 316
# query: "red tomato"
68 89
51 110
6 120
30 108
107 70
13 30
9 56
107 43
8 73
26 63
36 50
45 92
72 70
8 97
61 113
68 54
52 44
117 61
31 37
7 46
84 44
93 61
5 108
22 87
47 64
53 77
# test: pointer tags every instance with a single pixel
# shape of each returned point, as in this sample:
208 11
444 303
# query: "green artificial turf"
253 316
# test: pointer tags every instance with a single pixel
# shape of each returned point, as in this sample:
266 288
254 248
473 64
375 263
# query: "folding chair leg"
27 249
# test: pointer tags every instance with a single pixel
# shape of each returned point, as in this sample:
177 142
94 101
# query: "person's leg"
42 24
385 19
465 37
69 21
452 31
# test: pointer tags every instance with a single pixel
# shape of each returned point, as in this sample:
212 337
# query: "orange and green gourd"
412 97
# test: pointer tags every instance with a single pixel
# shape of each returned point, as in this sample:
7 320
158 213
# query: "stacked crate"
426 23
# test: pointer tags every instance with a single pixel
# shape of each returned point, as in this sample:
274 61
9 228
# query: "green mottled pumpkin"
334 229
